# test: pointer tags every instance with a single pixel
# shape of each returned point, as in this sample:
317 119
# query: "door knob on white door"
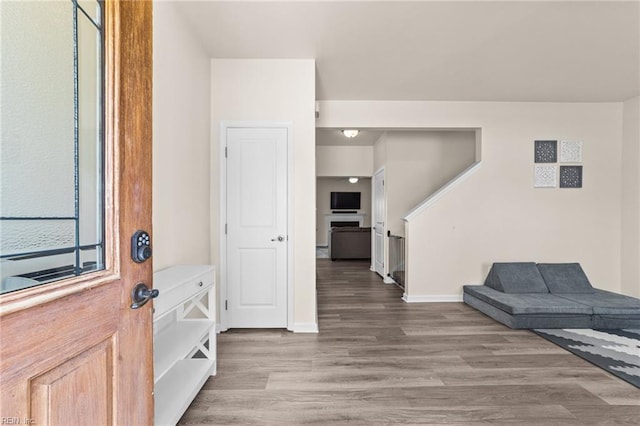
278 238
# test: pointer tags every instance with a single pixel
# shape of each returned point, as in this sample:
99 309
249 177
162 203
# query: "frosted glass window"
51 141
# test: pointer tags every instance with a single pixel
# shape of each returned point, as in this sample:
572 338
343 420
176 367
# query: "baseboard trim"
432 298
388 280
305 327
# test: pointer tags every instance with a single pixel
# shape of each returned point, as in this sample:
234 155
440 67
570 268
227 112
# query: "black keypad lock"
140 246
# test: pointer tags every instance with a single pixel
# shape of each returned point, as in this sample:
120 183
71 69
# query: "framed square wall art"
546 152
570 152
570 176
545 176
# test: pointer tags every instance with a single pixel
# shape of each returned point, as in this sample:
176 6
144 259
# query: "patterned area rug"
616 351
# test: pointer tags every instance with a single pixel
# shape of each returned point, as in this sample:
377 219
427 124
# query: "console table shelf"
180 386
168 347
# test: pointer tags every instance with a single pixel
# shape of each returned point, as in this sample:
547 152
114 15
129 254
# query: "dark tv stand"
344 211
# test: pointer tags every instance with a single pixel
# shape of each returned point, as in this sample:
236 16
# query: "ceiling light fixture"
353 179
350 133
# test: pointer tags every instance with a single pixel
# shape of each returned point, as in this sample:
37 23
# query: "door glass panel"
91 8
51 141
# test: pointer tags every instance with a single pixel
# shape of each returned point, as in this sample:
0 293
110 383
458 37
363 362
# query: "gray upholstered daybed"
545 295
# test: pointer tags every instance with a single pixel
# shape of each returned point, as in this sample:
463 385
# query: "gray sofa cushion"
565 278
616 321
571 303
606 302
528 321
526 303
516 277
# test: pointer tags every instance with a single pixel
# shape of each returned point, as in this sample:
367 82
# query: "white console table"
184 337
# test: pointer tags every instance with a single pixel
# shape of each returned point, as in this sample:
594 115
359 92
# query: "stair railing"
396 259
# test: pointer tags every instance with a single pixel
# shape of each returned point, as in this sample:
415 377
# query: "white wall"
344 161
630 263
325 185
281 90
380 153
496 214
181 135
418 163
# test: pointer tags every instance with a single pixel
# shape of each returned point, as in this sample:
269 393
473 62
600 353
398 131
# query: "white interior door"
257 227
379 213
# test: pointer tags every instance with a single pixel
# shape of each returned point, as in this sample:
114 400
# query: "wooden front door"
73 352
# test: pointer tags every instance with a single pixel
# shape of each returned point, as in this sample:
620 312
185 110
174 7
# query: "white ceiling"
557 51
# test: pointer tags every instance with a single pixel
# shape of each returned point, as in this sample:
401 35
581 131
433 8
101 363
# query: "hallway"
378 360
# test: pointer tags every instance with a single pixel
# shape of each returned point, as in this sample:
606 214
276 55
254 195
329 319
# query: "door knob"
141 294
279 238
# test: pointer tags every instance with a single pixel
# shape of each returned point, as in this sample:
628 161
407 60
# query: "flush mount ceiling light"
353 179
350 133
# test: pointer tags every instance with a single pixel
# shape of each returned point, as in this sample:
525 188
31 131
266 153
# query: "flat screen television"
345 200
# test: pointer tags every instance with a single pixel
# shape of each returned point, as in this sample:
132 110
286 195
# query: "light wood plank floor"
378 360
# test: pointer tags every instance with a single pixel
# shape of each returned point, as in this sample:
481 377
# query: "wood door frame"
127 182
222 269
131 110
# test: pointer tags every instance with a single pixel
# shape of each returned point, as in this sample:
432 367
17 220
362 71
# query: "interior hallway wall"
419 163
630 262
496 214
274 90
181 165
344 161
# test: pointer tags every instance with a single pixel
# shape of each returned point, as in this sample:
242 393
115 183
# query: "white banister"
433 198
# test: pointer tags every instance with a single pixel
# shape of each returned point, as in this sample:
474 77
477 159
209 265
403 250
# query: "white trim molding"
432 298
305 327
433 198
388 280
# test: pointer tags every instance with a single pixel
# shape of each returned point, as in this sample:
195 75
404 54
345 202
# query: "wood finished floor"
378 360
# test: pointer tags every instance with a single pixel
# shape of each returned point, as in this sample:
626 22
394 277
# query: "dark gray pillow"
516 277
565 278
